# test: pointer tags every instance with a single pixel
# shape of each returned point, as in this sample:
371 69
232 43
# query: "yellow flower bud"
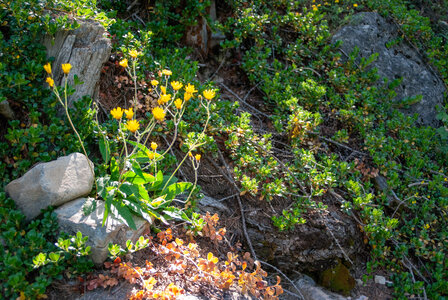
178 103
47 68
50 81
66 68
208 94
124 63
129 113
176 85
117 113
132 125
153 146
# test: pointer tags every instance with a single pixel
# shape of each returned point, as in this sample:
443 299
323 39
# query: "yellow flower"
190 154
154 82
164 99
426 226
167 72
178 103
117 113
336 1
133 53
66 68
151 155
50 81
187 96
163 89
176 85
47 68
355 5
158 113
153 146
124 63
315 8
198 157
129 113
208 94
132 125
189 88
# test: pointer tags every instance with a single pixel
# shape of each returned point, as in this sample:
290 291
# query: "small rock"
380 279
310 291
72 219
359 282
362 297
212 205
52 183
6 111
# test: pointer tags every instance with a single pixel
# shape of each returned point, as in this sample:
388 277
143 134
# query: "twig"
243 218
217 70
339 144
286 277
243 102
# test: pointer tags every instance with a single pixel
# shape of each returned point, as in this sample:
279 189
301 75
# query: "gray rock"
310 291
370 33
86 49
72 219
311 246
380 279
6 111
52 183
212 206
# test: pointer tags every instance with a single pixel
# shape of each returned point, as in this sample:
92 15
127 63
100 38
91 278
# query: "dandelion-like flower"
124 63
164 99
355 5
66 68
163 89
47 68
178 103
187 96
133 53
167 72
208 94
154 82
198 157
117 113
151 155
158 113
176 85
153 146
132 125
50 81
189 88
129 113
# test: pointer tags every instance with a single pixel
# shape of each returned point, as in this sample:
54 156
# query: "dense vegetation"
327 111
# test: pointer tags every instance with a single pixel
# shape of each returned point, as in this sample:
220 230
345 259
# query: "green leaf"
123 213
130 189
176 189
157 183
114 169
105 149
133 178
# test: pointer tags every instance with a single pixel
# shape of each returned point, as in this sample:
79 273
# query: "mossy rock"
338 279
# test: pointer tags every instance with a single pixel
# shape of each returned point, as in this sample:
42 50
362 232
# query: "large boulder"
53 183
312 247
86 49
371 33
72 219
